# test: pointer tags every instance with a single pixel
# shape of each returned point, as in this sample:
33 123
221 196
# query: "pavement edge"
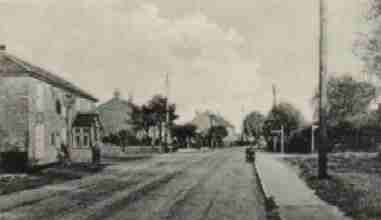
272 209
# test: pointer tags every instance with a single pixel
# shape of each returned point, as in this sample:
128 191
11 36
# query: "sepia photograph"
190 110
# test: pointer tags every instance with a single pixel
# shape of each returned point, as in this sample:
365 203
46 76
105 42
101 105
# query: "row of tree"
187 136
351 122
257 126
149 126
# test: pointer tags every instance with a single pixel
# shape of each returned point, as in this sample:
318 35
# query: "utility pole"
167 107
282 138
243 124
323 101
313 128
275 101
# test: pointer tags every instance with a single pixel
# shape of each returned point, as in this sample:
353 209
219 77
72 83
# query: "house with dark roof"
39 111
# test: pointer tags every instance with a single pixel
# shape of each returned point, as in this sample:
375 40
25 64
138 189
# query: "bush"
285 115
299 141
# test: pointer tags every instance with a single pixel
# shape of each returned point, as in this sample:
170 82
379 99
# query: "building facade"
37 110
205 120
115 114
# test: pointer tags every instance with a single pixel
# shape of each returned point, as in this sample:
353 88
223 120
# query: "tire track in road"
163 202
231 193
73 198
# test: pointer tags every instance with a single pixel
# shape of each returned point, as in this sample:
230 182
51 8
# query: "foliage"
367 46
216 134
184 133
253 125
153 114
142 118
299 141
158 107
349 187
348 100
284 114
219 132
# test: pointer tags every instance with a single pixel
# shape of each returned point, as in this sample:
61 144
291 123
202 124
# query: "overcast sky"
220 54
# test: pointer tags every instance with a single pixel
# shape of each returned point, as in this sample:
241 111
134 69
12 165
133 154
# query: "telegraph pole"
275 101
282 139
243 124
313 128
167 107
323 101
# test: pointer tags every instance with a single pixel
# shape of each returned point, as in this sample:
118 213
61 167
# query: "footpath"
296 201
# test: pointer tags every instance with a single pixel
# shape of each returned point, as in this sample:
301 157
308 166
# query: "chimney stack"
117 94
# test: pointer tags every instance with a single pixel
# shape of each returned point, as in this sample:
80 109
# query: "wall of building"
84 105
33 117
115 115
47 122
14 113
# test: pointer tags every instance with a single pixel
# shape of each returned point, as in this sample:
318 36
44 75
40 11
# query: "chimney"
3 47
117 94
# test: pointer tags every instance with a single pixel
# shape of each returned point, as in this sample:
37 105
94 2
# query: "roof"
11 65
86 119
115 115
114 102
205 119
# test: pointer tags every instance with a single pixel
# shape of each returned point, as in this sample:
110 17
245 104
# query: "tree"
253 125
347 99
348 109
283 114
216 135
157 107
142 119
184 133
368 45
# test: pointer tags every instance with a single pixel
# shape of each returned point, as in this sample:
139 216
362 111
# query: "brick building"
38 110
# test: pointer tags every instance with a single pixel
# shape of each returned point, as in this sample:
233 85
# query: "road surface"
212 185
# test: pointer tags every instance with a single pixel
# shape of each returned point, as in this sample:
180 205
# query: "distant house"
39 111
115 114
205 120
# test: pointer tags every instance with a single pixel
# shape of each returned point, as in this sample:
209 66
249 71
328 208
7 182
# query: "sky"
220 55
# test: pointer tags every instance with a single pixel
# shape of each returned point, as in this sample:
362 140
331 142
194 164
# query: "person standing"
95 152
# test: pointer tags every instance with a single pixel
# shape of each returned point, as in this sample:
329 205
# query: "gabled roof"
11 65
121 103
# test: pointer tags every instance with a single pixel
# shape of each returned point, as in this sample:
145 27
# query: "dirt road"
212 185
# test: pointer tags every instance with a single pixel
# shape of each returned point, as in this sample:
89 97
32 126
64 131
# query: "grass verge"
353 186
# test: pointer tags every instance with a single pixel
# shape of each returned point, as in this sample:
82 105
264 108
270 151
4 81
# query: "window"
58 107
78 140
86 130
77 131
53 139
85 140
